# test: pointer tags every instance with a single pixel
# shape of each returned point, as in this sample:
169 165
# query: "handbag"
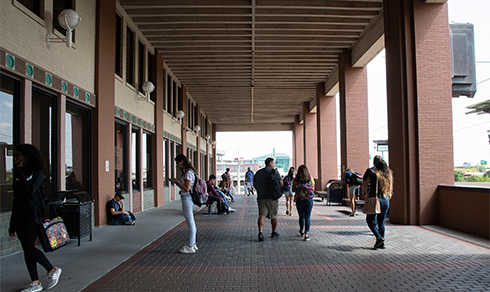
371 205
53 234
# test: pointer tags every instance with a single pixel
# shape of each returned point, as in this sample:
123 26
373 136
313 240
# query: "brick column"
310 140
326 119
159 94
354 128
419 107
298 145
103 126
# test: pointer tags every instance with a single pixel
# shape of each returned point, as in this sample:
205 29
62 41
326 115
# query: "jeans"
304 211
122 219
224 199
376 222
187 208
228 193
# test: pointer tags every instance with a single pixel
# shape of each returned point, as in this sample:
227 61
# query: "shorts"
268 208
352 191
249 185
288 193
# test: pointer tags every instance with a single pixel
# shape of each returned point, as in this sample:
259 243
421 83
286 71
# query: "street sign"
483 163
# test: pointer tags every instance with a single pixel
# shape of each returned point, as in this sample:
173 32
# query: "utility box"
463 68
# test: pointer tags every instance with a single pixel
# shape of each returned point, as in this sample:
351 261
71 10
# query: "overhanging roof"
251 64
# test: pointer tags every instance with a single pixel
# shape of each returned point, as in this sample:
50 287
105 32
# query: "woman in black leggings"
28 212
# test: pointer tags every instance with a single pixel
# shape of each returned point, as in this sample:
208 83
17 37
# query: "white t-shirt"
190 176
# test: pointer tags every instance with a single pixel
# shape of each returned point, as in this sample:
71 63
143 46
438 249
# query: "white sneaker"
33 287
195 247
53 278
231 210
187 249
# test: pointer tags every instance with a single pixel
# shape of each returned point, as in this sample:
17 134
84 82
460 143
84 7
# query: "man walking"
249 180
267 205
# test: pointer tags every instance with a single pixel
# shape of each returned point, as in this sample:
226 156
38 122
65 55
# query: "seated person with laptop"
115 212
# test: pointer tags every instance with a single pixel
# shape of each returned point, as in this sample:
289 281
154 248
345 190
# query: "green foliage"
458 176
475 178
482 168
487 174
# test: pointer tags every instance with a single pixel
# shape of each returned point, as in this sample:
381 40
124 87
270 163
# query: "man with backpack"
268 183
353 180
249 180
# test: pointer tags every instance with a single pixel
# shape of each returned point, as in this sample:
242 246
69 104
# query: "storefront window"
77 148
146 145
120 151
135 159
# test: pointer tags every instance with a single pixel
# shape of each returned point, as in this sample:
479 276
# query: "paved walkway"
339 256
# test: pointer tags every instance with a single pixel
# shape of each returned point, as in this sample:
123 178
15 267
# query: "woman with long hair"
186 183
288 191
304 187
381 184
28 212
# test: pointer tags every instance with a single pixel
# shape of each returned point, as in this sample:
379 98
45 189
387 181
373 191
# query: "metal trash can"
335 191
75 207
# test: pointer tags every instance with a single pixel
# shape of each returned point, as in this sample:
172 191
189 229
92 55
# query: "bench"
346 201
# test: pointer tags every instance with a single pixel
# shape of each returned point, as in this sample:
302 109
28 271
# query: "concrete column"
183 133
298 138
159 94
326 119
213 138
103 126
419 107
354 127
197 164
310 140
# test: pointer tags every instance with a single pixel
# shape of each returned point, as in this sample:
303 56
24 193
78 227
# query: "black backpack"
276 189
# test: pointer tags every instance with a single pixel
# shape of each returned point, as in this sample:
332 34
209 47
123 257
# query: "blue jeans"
229 194
304 211
224 199
122 219
187 208
376 222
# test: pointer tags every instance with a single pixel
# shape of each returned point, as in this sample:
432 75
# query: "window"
77 147
119 46
147 167
169 95
120 152
172 159
35 6
135 159
130 56
149 63
43 134
58 6
175 99
10 121
166 165
141 65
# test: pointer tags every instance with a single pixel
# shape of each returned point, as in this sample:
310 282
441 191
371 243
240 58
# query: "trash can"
75 207
335 191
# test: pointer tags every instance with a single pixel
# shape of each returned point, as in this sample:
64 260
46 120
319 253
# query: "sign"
483 163
382 147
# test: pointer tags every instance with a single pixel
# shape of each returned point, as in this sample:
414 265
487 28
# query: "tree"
458 176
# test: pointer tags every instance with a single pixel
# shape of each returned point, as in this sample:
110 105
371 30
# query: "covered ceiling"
251 64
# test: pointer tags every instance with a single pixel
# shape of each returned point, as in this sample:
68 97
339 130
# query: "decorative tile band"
172 137
35 73
122 114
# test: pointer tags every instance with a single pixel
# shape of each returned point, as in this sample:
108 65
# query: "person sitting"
215 197
220 193
116 214
226 190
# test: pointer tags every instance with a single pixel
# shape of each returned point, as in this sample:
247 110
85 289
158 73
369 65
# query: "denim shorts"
268 208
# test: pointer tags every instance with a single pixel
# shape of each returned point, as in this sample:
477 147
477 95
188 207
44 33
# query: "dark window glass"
166 165
147 166
175 99
44 133
141 65
135 159
172 159
130 56
10 121
36 6
120 154
77 148
169 94
58 6
119 45
150 73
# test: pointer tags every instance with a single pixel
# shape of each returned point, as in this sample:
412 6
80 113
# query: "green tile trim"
125 115
64 86
76 92
10 61
87 97
48 79
118 112
29 71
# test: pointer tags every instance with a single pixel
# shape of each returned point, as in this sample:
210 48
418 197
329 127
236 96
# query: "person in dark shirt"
115 211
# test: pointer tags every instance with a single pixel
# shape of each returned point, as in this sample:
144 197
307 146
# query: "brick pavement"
339 257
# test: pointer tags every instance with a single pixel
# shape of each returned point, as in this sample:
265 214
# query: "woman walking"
304 186
28 211
381 186
186 183
288 191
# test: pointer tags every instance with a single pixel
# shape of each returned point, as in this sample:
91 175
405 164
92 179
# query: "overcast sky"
470 131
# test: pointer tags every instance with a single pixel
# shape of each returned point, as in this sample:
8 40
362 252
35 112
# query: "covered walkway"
339 256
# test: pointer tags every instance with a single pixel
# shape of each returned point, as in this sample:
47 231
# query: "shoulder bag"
371 205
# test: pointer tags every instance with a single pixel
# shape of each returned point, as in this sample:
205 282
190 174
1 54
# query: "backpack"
285 183
199 192
276 188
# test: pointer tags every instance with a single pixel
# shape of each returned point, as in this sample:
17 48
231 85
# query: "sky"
471 142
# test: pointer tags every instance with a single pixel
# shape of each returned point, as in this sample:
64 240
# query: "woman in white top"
186 183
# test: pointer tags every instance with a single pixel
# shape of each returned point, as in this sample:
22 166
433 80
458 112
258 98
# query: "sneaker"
301 233
352 215
231 210
380 242
307 237
187 249
33 287
274 234
287 212
261 236
195 247
53 278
